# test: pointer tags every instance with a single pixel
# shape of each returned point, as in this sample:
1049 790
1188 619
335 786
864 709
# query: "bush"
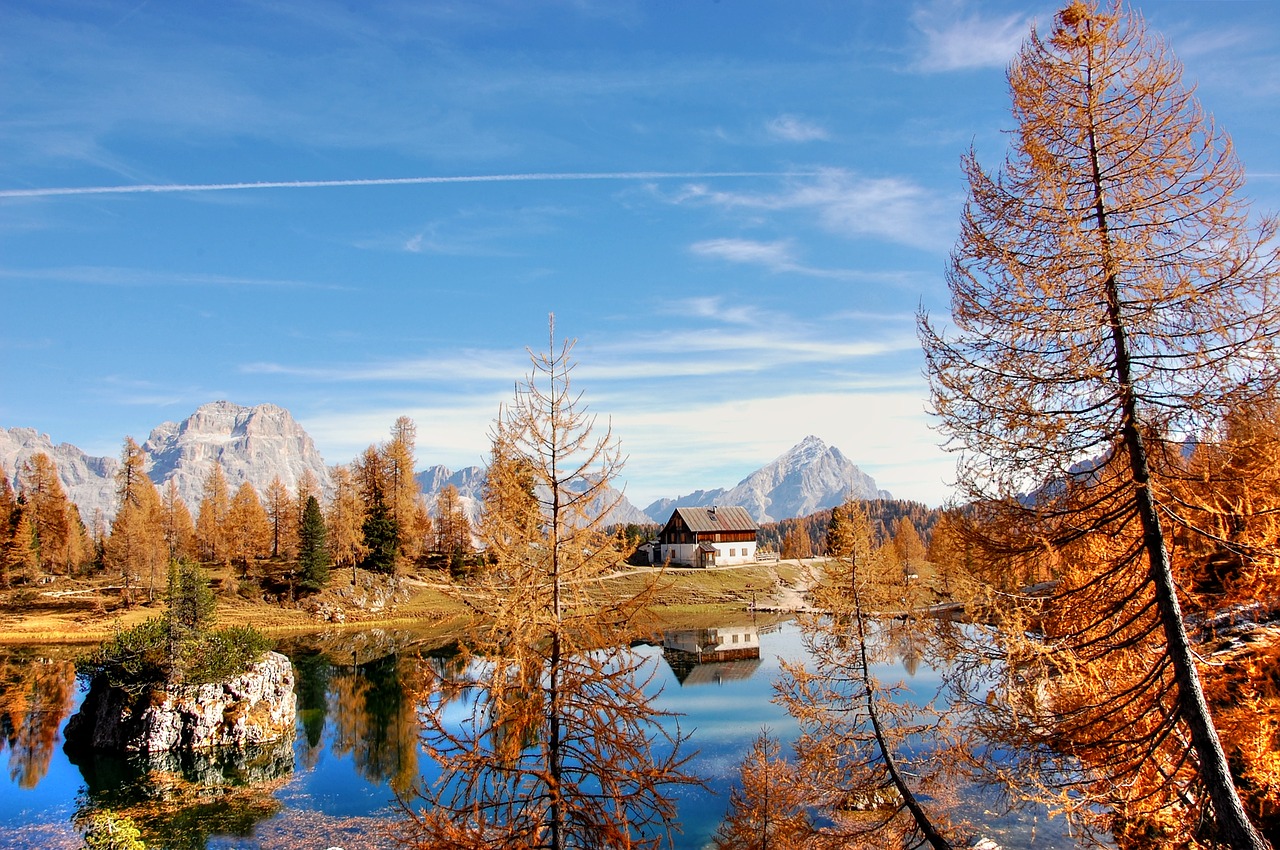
105 830
133 660
224 653
155 653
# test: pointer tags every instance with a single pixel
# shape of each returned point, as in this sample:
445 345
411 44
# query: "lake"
357 744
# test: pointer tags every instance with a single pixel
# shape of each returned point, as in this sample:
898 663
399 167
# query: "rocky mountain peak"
255 444
808 477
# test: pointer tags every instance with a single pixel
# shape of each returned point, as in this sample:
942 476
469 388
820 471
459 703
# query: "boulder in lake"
256 707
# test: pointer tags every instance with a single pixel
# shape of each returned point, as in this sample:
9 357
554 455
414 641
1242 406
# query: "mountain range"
261 443
809 477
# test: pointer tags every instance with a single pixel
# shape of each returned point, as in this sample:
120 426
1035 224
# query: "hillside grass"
76 610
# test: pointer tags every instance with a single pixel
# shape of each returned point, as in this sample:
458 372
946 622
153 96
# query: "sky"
364 210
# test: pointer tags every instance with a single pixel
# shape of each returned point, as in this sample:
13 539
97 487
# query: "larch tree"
402 487
58 534
562 748
344 521
1110 297
179 528
211 519
137 544
10 514
871 754
451 528
248 528
282 518
769 807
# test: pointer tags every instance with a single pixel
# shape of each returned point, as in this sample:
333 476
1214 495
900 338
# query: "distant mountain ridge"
254 444
258 444
470 483
89 481
808 477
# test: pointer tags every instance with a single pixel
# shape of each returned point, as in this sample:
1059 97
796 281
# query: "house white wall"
727 554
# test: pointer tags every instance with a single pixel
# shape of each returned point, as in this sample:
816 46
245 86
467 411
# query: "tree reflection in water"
36 696
179 800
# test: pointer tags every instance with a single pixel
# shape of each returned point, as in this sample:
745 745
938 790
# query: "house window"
733 552
735 638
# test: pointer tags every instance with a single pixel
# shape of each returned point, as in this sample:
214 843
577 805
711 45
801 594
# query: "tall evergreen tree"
381 533
313 554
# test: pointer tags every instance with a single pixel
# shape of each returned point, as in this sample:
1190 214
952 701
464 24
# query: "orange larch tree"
1110 296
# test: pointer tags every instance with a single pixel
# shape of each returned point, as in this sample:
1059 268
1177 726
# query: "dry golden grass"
87 610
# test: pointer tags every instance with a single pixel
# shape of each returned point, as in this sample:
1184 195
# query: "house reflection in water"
712 656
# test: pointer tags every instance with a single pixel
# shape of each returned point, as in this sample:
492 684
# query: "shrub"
133 659
105 830
224 653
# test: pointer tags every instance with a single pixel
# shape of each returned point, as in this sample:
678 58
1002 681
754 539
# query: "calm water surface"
357 744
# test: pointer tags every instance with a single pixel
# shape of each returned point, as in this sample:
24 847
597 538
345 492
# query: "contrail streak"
389 181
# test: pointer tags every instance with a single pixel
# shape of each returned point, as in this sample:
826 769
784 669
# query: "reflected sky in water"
357 739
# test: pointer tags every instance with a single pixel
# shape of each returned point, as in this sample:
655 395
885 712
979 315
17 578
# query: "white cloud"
775 255
956 39
891 208
789 128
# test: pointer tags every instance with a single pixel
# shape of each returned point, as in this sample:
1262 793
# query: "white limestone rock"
256 707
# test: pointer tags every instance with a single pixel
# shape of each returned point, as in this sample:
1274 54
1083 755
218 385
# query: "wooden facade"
707 537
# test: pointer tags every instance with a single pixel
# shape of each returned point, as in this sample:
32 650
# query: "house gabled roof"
730 518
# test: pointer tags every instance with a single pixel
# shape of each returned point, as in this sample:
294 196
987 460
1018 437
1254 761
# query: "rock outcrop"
255 707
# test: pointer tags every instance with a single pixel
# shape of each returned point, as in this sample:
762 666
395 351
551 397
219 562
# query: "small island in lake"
175 683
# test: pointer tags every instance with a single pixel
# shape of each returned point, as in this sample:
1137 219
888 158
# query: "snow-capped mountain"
811 476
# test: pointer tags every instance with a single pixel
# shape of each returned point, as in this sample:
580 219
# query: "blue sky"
735 207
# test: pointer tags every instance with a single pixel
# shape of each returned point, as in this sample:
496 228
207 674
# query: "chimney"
711 513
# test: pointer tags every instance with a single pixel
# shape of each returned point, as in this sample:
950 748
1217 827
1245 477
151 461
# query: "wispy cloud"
956 39
775 255
844 202
791 128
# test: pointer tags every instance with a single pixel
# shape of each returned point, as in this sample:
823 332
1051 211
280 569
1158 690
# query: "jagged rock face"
254 444
469 483
89 481
809 477
256 707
